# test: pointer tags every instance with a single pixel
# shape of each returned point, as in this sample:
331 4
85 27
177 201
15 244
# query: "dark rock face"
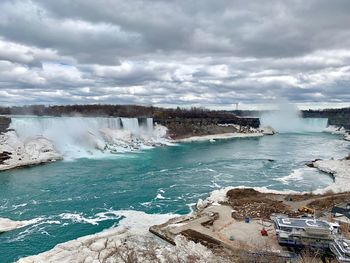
4 156
179 128
4 124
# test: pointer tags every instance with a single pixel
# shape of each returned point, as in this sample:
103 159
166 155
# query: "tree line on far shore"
106 110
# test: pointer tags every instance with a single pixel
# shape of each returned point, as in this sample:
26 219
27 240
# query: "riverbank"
339 170
8 224
130 240
338 130
215 232
221 136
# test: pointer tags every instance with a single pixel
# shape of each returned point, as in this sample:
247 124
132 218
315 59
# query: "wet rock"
268 130
4 124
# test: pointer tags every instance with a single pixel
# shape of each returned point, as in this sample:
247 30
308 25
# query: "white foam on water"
191 206
159 196
93 220
33 221
31 226
296 175
335 130
138 222
19 205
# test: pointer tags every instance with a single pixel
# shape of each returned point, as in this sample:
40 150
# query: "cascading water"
77 137
287 119
131 124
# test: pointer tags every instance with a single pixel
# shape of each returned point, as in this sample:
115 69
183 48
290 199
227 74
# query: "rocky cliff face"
179 128
4 123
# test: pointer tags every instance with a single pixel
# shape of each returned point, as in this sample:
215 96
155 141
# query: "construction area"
265 224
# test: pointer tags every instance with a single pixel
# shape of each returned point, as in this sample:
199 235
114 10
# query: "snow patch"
340 169
335 129
24 153
8 224
132 232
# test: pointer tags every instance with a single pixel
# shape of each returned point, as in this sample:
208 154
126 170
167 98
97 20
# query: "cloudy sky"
181 52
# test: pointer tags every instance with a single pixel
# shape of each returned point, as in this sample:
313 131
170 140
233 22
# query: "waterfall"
77 137
287 119
131 124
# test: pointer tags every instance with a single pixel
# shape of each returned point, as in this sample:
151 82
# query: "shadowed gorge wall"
4 123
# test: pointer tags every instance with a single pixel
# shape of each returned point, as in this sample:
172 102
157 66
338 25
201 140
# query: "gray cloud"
174 52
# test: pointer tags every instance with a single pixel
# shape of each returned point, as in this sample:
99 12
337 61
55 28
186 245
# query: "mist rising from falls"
78 137
287 119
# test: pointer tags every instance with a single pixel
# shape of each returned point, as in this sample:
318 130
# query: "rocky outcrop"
16 153
340 171
338 130
179 128
4 156
129 242
4 124
268 130
8 224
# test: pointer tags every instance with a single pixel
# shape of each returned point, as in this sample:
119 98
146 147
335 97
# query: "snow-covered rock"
131 238
335 129
268 130
340 169
159 131
114 136
8 224
215 197
338 130
34 151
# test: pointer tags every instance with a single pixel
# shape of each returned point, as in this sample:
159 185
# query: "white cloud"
174 52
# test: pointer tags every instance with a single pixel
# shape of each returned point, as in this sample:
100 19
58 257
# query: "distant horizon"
241 106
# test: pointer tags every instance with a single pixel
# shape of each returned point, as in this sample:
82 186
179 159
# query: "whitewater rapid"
81 137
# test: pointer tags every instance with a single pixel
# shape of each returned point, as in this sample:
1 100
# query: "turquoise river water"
69 199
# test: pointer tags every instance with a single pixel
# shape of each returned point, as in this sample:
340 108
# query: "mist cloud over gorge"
174 52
